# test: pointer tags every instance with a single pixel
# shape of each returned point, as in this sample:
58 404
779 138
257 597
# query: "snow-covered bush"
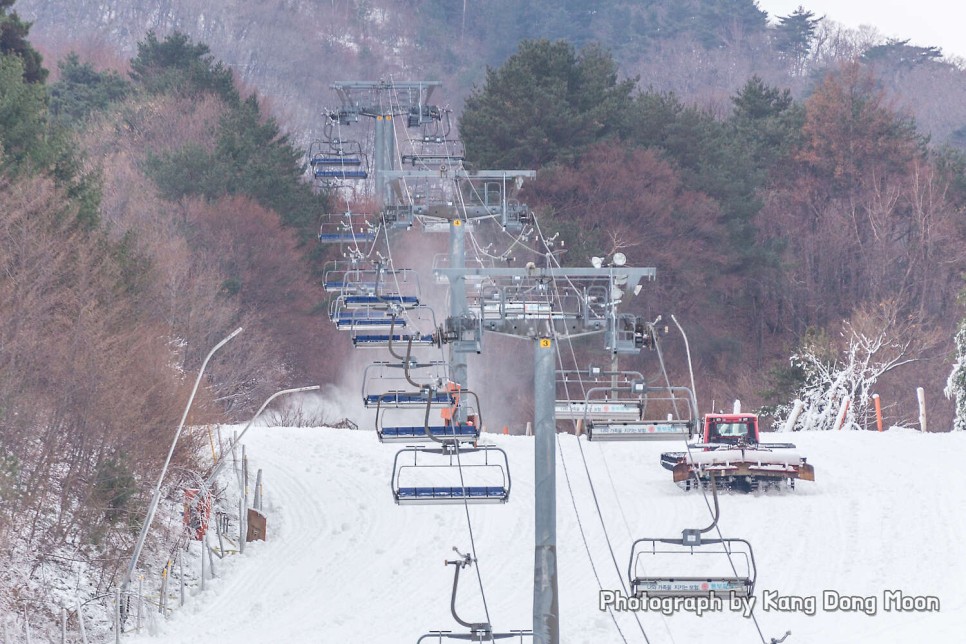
956 383
873 343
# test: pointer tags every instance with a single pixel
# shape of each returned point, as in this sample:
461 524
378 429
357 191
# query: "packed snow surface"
343 563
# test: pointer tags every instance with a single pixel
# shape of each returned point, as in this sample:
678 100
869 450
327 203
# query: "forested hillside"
140 223
800 188
703 50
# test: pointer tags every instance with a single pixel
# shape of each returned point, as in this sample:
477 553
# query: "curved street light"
156 497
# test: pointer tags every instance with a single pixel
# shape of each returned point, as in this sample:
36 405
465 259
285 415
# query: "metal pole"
546 615
152 508
379 160
221 463
457 297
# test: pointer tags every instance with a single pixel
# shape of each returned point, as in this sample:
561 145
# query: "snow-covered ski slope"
344 564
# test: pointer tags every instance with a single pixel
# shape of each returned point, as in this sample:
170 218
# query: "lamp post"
220 464
156 497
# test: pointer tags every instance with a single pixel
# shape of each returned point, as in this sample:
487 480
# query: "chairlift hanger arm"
459 564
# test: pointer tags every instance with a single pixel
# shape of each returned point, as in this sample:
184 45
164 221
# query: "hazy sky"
941 23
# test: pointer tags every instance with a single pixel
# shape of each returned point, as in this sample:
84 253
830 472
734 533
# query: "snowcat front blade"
681 472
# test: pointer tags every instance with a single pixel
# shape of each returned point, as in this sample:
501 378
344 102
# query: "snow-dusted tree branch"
956 384
874 342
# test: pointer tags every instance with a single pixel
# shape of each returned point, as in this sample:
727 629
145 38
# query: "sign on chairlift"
675 429
690 587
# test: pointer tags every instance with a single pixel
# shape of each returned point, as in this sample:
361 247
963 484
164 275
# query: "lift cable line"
583 537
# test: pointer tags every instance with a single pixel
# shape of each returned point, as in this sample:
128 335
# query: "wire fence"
212 530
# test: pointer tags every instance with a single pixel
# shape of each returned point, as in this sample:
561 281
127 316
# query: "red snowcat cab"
731 449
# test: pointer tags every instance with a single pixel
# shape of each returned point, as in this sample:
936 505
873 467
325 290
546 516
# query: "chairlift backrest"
451 475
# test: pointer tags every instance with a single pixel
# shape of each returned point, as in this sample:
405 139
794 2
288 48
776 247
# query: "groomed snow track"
343 563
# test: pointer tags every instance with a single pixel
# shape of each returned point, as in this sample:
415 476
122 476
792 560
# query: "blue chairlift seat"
347 237
474 494
339 173
418 433
335 160
377 300
408 399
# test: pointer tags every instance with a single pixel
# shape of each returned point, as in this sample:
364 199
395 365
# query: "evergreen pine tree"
956 384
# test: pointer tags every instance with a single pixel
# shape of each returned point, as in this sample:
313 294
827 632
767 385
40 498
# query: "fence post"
258 491
211 557
843 410
117 614
878 411
203 562
137 624
181 576
221 543
80 623
26 624
163 600
234 455
241 526
921 395
63 625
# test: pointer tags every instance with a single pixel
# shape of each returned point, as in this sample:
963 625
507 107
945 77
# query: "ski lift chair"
711 566
461 422
389 384
347 228
691 566
420 317
600 424
450 475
